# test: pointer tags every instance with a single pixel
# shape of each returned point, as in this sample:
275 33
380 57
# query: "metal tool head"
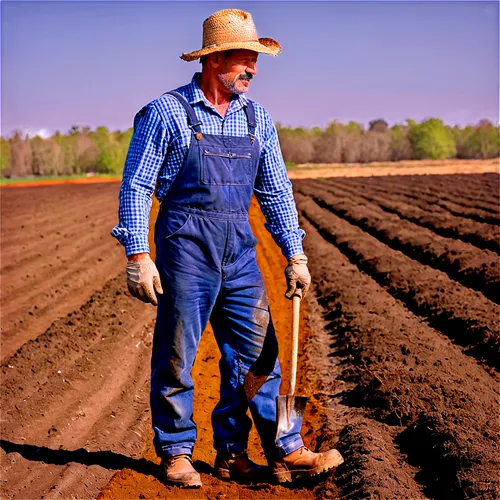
291 411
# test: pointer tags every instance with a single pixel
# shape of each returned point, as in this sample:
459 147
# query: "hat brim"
263 45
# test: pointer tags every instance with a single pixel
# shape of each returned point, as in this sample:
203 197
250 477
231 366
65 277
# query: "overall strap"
193 121
252 124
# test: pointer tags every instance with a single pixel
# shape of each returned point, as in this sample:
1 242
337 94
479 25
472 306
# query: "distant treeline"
351 143
79 151
82 150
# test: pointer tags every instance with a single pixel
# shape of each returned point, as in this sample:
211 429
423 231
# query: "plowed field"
399 344
410 288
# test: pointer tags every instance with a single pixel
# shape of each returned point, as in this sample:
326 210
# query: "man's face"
238 69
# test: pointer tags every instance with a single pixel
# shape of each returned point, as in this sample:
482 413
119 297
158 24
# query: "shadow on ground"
114 461
107 459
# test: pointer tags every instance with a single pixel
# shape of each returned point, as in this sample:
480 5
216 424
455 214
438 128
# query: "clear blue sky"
97 63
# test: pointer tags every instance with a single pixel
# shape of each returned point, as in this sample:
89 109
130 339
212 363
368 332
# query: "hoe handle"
295 343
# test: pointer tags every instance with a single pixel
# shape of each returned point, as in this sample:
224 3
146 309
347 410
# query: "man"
210 148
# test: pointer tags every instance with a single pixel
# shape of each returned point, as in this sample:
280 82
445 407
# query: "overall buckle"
198 135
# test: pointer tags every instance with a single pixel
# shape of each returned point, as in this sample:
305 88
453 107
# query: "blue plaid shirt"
157 149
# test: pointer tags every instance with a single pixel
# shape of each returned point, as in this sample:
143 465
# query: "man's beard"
231 84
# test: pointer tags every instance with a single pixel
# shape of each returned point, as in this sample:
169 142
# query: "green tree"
124 143
354 128
108 147
484 141
401 148
431 139
4 156
66 164
462 140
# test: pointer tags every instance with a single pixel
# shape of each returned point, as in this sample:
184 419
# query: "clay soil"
399 344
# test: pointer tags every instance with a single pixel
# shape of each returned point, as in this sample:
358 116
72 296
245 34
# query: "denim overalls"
206 260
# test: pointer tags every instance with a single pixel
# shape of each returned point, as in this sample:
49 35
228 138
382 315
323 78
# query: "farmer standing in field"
209 148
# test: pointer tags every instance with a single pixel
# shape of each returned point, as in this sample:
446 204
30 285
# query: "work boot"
179 471
237 466
304 462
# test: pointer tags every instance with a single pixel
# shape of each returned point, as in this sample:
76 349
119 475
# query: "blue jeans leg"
190 290
249 366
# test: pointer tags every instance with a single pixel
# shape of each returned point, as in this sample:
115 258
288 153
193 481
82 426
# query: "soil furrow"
376 467
416 417
37 260
472 198
478 234
491 208
433 202
81 388
55 247
373 467
62 274
471 185
444 187
461 183
43 210
28 316
49 277
406 373
474 268
465 316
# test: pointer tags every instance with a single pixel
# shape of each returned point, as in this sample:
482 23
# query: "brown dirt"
471 266
75 392
56 250
55 181
397 373
463 314
75 347
479 234
469 202
424 401
128 483
380 169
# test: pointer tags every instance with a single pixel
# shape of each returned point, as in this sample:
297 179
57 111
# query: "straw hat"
232 29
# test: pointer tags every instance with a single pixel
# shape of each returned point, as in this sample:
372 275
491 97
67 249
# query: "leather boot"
179 471
304 462
237 466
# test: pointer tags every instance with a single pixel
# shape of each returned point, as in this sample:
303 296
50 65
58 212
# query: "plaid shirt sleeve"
145 157
273 190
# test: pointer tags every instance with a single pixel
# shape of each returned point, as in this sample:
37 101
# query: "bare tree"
378 125
20 156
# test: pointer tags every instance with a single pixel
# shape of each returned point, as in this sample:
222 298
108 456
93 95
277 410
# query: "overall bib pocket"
221 167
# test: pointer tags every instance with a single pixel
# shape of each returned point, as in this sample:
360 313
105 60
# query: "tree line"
82 150
351 143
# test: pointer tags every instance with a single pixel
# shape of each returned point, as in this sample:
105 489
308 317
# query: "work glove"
143 279
297 276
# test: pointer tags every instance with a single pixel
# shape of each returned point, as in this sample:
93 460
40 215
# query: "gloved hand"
297 276
143 279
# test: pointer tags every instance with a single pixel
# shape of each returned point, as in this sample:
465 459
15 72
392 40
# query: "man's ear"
215 59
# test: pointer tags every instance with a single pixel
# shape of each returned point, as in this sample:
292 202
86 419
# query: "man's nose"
252 69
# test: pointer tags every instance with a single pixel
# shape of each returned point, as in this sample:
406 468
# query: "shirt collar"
194 94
